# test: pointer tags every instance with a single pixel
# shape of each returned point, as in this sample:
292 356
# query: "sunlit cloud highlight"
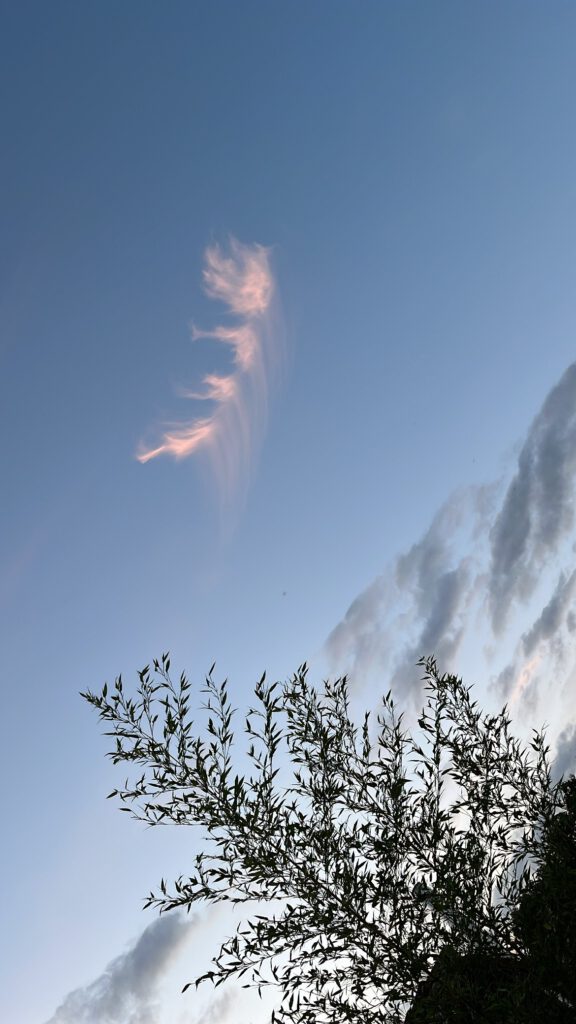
524 678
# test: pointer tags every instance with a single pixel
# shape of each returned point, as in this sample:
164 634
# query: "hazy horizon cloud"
217 1011
489 552
240 277
125 991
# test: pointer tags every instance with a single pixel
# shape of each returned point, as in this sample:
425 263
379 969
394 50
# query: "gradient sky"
378 198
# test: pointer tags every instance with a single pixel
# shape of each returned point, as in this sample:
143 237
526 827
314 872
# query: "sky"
287 344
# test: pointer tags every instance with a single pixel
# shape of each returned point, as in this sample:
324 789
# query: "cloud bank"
424 597
491 554
538 509
125 992
565 760
241 278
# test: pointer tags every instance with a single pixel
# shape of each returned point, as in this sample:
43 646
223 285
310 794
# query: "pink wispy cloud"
242 279
239 276
218 389
181 441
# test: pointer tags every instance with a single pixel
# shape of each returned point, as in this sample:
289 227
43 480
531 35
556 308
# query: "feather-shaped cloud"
240 277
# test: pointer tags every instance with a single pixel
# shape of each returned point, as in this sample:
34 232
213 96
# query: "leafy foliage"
546 916
364 852
537 985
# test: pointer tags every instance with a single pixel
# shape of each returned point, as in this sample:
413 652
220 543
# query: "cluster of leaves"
362 850
535 983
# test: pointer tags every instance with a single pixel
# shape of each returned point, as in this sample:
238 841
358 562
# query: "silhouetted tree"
536 984
375 864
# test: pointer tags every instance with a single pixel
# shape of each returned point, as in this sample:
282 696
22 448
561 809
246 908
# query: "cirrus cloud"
240 276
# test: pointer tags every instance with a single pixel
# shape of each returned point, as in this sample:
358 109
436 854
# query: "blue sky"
407 172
